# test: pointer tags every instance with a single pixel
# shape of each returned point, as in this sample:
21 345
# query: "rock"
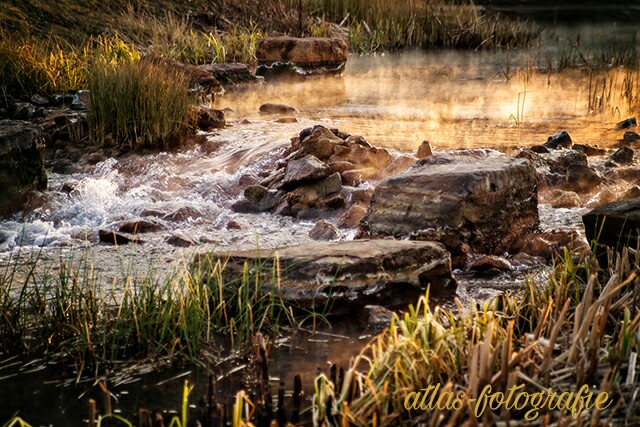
183 214
491 263
21 164
231 74
622 156
356 139
564 199
352 217
345 276
628 123
559 140
277 109
245 206
397 165
631 193
210 119
547 244
307 55
39 100
319 141
539 149
589 150
140 226
582 178
631 136
80 100
179 241
315 194
482 201
234 225
308 168
287 120
614 224
377 316
152 213
324 230
200 81
23 111
113 238
255 193
355 177
424 150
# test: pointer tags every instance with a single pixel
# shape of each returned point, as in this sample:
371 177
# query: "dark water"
550 11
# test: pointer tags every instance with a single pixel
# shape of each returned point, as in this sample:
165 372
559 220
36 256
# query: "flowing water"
455 100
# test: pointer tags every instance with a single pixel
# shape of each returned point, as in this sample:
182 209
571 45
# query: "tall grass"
581 327
378 24
70 312
139 103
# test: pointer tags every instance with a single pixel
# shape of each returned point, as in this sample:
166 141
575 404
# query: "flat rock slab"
614 224
479 199
346 276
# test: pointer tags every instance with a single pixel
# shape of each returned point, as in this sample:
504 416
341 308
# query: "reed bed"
71 313
580 328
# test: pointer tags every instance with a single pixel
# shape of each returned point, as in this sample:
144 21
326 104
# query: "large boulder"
614 224
345 276
21 164
479 201
309 55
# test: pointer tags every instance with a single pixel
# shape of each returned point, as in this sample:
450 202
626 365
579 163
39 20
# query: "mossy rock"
21 164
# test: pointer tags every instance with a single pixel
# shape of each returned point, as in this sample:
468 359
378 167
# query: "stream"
455 100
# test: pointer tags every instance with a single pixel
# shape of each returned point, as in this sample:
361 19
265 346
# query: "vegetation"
581 328
70 312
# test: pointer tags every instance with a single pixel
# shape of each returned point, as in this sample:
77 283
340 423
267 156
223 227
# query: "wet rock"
622 156
424 150
564 199
255 193
377 158
362 195
315 194
349 275
559 140
152 213
491 263
21 164
23 111
355 177
113 238
356 139
614 224
245 206
589 150
582 178
324 230
183 214
351 218
539 149
277 109
210 119
631 193
308 168
179 241
319 142
604 196
631 136
628 123
231 74
285 120
550 243
397 165
482 201
140 226
234 225
377 316
305 55
80 100
39 100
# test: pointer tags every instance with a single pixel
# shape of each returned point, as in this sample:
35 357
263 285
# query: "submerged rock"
482 201
277 109
324 230
346 275
21 164
631 136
